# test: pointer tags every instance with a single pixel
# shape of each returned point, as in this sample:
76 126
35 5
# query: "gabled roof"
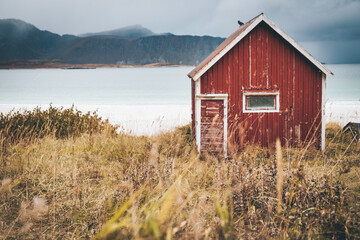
239 34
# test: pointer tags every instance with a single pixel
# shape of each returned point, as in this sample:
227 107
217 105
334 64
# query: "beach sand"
137 120
153 119
342 112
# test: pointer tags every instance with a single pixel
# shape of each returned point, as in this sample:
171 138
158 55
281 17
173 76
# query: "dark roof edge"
240 33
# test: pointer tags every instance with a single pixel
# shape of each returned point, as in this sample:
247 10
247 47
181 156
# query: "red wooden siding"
212 125
263 60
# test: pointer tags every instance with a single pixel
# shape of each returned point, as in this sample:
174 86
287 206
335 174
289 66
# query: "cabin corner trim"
323 102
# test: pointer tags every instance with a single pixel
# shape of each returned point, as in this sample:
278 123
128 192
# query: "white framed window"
257 102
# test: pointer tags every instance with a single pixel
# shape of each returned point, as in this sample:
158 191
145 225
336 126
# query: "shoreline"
342 111
151 120
65 66
138 120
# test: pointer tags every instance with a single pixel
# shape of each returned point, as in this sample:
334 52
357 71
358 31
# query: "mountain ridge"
131 31
21 41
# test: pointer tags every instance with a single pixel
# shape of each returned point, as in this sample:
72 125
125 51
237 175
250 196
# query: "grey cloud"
334 51
321 20
320 23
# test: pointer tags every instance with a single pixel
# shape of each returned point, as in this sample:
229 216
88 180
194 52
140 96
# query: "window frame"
260 110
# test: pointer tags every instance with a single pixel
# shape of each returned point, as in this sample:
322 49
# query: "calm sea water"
345 84
113 86
132 86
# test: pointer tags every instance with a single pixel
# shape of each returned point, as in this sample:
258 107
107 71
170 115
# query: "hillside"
188 50
21 42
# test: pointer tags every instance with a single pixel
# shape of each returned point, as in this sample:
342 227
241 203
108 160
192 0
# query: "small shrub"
62 123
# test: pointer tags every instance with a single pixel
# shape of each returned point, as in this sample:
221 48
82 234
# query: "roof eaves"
239 34
298 47
224 47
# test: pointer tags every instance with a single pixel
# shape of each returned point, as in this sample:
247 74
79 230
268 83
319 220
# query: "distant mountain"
189 50
21 41
133 32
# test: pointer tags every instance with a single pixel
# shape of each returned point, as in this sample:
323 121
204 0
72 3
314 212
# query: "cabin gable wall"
264 61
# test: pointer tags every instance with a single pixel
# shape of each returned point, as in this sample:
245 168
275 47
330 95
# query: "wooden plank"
211 80
212 125
259 64
203 84
215 79
220 77
241 77
234 99
246 78
262 67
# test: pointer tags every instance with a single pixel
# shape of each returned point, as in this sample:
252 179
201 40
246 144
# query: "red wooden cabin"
258 85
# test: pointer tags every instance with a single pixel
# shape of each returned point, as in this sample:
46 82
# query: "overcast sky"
328 29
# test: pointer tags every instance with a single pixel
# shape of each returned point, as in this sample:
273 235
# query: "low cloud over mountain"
20 41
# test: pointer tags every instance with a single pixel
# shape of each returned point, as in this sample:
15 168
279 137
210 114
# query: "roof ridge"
239 34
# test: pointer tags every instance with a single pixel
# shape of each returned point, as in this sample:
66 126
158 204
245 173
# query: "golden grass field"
68 175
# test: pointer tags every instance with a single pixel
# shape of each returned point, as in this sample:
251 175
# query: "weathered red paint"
212 125
263 60
193 108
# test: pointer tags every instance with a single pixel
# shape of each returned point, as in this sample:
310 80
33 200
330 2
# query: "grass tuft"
95 183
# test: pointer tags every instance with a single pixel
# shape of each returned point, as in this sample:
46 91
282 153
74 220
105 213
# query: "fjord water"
103 86
142 100
345 84
132 86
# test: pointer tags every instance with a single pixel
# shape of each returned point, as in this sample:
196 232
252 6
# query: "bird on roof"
240 23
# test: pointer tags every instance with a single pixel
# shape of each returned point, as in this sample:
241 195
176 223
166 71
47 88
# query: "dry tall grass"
115 186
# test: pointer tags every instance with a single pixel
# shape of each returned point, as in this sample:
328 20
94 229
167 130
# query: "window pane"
262 102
